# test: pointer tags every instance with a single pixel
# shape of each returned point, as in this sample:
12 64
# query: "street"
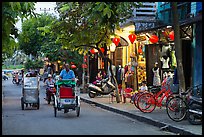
92 120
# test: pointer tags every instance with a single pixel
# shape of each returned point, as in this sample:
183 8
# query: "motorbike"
103 87
194 112
20 81
50 92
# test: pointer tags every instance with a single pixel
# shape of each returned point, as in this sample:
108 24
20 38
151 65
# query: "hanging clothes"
156 77
173 59
165 61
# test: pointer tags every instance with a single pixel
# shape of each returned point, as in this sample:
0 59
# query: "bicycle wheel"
176 109
136 98
146 102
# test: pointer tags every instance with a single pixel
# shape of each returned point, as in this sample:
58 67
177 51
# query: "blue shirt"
67 75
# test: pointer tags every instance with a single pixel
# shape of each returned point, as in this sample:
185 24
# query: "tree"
31 39
90 23
178 47
11 12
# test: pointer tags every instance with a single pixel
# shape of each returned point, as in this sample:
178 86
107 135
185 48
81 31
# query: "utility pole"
178 47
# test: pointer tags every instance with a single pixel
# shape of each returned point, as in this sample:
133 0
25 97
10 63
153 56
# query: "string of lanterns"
132 37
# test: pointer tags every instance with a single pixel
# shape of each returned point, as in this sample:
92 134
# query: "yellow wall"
125 32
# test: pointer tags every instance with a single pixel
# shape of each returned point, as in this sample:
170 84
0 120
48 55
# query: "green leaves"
107 11
11 11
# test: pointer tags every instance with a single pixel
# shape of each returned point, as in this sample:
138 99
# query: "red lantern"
73 66
132 38
154 39
116 41
102 50
93 51
171 35
84 66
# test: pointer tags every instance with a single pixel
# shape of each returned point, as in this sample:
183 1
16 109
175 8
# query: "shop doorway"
152 55
187 61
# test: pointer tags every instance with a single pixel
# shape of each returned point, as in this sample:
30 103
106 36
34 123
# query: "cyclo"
66 97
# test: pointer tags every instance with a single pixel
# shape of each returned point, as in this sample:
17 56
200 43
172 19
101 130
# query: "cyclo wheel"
176 109
77 111
146 103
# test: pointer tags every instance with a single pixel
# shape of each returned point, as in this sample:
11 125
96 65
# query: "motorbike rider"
49 82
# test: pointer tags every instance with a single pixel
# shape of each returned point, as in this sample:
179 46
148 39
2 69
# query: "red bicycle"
148 101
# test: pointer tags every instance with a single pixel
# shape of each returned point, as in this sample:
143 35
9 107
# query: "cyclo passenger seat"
66 92
66 88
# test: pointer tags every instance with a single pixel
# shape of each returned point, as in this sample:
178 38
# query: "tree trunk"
178 47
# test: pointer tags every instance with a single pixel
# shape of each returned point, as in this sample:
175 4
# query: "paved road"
92 120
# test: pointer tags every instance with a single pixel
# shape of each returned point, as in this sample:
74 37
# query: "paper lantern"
112 47
73 66
132 38
93 51
171 35
116 41
84 66
102 50
154 39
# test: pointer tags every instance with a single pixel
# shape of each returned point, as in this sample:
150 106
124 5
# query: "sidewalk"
157 118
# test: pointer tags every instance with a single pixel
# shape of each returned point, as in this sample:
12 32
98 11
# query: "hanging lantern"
93 51
102 50
72 63
171 35
112 47
132 38
73 66
154 39
116 41
84 66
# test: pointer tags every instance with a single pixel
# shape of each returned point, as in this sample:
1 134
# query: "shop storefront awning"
182 23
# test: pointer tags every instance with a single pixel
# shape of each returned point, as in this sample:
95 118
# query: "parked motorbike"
93 94
50 91
103 87
194 112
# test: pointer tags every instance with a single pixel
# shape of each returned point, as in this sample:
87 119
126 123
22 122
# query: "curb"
161 125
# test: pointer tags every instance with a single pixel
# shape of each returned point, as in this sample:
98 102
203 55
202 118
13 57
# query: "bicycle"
137 94
148 101
178 106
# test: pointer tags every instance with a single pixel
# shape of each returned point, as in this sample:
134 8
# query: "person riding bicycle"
67 73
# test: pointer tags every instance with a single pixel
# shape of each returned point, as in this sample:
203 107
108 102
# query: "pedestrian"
143 88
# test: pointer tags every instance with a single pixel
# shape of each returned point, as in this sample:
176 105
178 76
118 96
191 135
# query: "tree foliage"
90 23
11 12
31 39
33 64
